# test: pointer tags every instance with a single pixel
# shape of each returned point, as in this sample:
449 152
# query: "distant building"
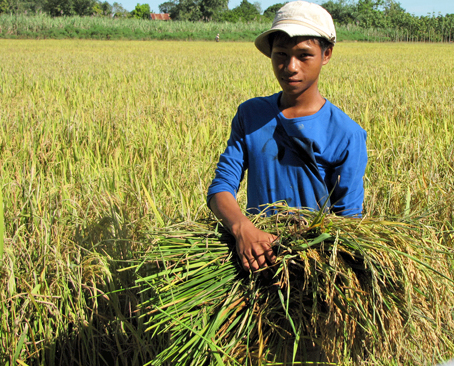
164 16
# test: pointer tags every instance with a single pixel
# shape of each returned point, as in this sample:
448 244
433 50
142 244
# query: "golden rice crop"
102 142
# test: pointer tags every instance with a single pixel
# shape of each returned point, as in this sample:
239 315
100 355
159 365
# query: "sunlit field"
102 142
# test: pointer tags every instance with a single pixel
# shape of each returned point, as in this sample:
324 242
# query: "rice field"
103 142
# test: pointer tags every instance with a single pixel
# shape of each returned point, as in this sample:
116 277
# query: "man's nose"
292 64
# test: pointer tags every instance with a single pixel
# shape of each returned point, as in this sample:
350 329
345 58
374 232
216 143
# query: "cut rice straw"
349 290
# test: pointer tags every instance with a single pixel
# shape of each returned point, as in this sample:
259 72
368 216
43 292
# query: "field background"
101 142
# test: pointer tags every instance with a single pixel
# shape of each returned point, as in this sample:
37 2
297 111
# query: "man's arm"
253 245
347 178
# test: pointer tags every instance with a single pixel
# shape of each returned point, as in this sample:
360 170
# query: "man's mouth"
292 81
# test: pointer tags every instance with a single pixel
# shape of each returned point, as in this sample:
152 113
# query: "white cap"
299 18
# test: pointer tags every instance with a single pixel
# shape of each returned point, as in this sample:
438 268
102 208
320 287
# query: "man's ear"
327 55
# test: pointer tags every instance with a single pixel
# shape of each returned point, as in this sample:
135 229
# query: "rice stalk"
358 289
2 227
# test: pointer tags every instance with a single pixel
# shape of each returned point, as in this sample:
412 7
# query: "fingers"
245 263
253 264
254 248
258 257
261 260
249 263
268 251
269 254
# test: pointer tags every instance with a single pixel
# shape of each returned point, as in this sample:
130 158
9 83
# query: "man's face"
297 63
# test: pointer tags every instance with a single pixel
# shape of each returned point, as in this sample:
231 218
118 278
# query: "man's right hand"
253 245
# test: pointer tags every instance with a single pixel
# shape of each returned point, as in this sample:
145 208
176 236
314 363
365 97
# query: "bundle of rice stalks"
360 291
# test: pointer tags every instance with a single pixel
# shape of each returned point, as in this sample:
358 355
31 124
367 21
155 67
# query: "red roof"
164 16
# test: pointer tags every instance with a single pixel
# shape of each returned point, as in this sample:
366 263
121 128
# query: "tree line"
372 15
382 15
389 14
56 8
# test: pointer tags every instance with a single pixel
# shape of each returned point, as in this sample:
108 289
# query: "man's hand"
253 245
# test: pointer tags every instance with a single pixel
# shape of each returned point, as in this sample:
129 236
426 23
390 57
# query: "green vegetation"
42 27
103 144
75 27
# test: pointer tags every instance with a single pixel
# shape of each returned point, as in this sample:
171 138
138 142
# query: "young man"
295 144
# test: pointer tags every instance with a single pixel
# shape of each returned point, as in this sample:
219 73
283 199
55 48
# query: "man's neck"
301 106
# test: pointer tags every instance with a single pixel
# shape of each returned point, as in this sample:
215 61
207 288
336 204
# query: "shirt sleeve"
232 163
347 178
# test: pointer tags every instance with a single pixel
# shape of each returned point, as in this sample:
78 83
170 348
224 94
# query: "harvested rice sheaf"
355 291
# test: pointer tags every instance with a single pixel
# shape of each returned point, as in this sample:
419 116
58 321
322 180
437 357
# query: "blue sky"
416 7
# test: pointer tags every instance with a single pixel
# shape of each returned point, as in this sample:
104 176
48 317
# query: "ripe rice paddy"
101 142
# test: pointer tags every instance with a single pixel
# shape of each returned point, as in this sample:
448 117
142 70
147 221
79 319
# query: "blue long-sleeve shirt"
299 160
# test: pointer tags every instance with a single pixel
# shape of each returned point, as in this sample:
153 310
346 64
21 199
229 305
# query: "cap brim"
263 45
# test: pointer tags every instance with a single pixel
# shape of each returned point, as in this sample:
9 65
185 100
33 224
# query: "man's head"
297 62
299 18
